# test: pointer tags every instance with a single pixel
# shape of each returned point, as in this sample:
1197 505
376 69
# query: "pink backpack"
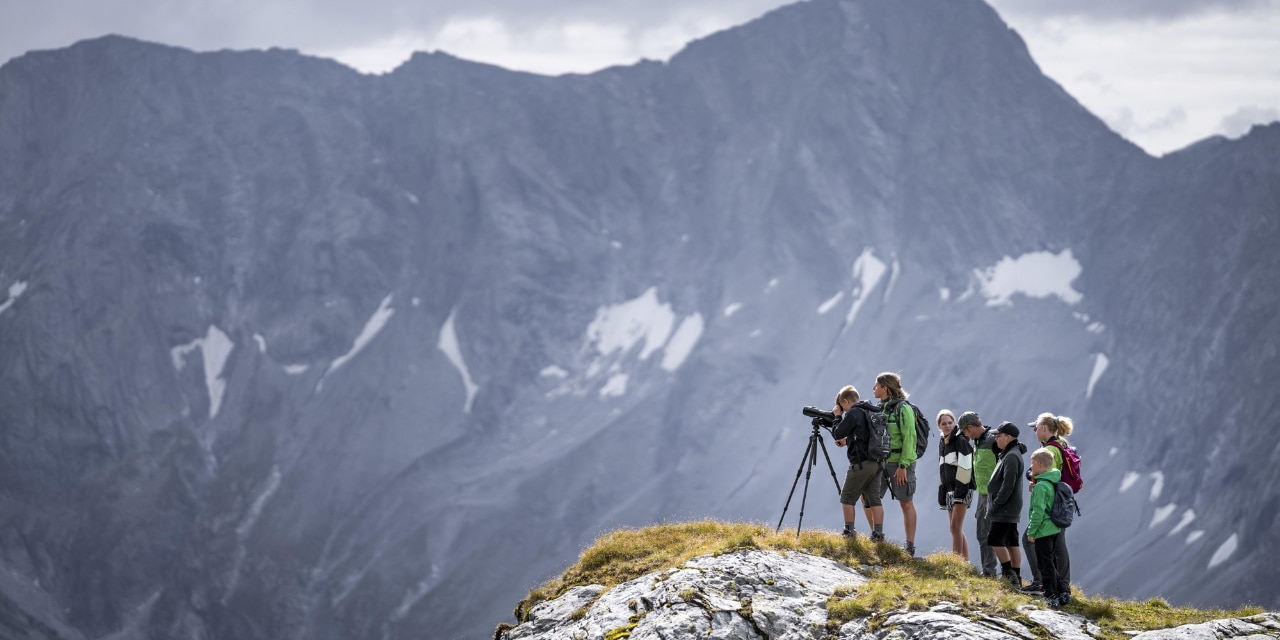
1070 465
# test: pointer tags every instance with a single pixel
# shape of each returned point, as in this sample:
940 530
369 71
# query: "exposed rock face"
746 594
291 352
766 594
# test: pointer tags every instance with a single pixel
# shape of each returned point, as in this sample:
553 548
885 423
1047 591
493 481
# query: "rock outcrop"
772 595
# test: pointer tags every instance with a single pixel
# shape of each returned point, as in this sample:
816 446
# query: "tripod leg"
829 465
792 493
813 461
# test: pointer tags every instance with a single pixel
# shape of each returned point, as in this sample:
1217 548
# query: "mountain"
293 352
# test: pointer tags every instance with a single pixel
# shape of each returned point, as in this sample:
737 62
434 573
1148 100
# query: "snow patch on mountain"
1162 514
1157 486
1038 274
1129 479
246 525
552 371
1188 517
616 386
1225 550
372 327
15 290
620 327
682 342
732 309
830 303
894 270
1100 363
1195 535
214 347
449 345
867 272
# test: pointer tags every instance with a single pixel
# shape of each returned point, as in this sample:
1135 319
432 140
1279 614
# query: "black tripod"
811 457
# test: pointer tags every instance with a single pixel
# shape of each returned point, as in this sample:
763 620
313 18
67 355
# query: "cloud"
1243 119
1126 124
1113 10
328 25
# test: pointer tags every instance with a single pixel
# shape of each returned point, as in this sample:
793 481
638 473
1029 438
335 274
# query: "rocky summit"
783 596
288 351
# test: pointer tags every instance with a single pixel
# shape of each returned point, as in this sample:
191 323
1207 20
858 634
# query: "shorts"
947 499
1003 534
901 492
862 481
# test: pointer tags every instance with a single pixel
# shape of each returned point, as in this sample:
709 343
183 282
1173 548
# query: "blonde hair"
847 393
944 412
1043 456
892 383
1060 426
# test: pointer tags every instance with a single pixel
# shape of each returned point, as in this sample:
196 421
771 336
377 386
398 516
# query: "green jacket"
902 432
1057 453
984 459
1038 523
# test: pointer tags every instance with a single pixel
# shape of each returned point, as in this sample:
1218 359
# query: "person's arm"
1038 512
842 428
1005 488
907 424
846 424
964 468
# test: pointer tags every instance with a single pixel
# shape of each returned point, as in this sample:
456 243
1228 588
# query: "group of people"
973 459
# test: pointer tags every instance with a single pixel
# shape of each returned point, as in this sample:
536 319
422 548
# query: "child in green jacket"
1044 533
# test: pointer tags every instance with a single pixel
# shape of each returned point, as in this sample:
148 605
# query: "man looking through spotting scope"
852 429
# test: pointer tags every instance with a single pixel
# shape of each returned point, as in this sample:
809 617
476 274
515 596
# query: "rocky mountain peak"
769 594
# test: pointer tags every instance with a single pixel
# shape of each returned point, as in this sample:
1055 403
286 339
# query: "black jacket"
853 425
954 450
1004 492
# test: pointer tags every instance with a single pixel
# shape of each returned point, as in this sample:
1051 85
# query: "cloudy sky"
1163 73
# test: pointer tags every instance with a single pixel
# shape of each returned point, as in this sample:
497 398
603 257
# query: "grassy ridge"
897 581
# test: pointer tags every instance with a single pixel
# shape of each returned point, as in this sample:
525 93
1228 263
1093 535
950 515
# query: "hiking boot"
911 549
1035 588
1053 602
877 536
1064 599
849 533
1014 580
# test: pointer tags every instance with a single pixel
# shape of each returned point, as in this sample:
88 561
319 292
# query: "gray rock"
764 594
1266 625
745 594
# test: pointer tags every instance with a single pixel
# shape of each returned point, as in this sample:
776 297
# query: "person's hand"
900 476
840 442
1031 486
837 410
1031 540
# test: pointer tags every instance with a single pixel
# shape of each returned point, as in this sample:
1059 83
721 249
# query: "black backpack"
878 441
1065 508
